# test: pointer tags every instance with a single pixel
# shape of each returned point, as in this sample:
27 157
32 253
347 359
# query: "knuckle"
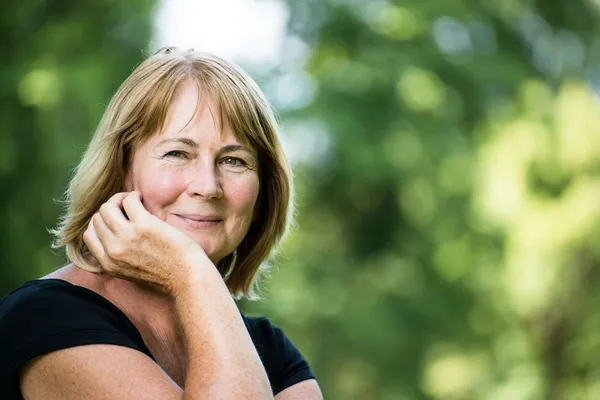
116 252
103 209
110 268
119 197
88 234
143 228
128 236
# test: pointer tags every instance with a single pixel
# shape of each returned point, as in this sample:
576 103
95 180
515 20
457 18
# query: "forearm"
222 361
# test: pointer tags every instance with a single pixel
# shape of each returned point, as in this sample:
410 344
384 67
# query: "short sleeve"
48 315
283 362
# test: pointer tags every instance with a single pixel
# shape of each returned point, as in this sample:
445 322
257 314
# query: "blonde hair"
138 110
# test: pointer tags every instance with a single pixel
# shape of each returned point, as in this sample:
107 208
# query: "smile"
199 221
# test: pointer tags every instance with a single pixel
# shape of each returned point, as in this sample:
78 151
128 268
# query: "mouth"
197 221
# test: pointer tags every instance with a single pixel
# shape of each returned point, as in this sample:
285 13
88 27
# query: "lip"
200 218
197 221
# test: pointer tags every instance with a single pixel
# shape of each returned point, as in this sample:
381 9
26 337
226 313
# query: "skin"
195 168
191 170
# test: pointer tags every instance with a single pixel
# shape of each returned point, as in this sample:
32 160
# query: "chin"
213 248
215 253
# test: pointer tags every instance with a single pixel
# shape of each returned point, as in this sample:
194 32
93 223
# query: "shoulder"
283 361
57 302
43 316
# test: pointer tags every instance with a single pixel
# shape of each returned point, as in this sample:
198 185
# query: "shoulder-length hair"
138 110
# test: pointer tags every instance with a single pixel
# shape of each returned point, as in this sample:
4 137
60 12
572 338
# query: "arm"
307 390
215 369
96 372
221 359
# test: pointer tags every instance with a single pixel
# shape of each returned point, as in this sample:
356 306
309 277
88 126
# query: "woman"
181 196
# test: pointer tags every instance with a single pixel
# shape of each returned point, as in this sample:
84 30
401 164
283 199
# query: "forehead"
194 112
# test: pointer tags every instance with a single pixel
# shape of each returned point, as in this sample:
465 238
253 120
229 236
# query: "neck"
148 309
142 304
153 314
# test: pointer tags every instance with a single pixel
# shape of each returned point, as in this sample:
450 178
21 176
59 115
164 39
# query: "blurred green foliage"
61 62
447 160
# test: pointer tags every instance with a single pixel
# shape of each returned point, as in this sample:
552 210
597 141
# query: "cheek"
159 189
243 196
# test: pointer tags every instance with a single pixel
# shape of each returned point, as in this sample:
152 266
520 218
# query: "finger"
113 216
93 243
103 232
116 200
113 247
132 204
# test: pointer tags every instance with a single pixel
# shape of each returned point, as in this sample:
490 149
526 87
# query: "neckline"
105 300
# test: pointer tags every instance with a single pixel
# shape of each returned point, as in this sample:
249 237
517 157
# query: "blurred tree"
447 246
447 175
61 62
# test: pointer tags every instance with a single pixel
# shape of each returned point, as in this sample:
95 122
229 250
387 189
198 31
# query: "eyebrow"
189 142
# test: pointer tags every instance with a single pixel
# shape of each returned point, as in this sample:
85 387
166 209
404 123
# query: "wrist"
195 273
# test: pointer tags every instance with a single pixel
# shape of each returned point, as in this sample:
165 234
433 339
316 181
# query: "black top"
42 316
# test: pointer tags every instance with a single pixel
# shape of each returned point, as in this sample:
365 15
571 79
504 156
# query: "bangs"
242 105
150 114
153 87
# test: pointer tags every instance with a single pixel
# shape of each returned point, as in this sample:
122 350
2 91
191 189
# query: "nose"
203 181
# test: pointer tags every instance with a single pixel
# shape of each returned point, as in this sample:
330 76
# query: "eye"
175 154
234 162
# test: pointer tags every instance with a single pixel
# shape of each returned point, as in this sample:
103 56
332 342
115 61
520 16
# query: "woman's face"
197 177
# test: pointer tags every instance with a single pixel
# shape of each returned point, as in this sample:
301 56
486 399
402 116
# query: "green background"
447 158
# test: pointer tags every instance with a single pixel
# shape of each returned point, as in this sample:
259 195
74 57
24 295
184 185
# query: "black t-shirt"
42 316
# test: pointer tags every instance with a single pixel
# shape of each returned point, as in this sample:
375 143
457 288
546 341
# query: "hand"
140 247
